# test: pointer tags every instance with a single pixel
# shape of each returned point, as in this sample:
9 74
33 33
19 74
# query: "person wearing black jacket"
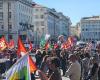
93 71
99 73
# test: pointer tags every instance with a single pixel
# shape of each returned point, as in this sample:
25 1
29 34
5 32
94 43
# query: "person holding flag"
60 40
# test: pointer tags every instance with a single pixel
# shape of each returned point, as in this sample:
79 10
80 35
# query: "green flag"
42 42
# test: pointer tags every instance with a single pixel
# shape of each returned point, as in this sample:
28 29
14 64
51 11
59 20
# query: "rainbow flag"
20 70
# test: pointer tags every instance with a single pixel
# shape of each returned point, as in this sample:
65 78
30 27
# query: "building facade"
15 18
53 23
65 24
75 31
49 21
90 28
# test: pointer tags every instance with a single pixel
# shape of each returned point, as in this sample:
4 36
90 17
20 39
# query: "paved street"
63 78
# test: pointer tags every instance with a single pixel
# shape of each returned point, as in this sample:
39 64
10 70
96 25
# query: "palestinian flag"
20 70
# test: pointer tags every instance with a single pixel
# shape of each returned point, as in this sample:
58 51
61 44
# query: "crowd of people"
75 63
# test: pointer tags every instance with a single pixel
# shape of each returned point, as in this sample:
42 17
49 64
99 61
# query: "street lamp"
26 27
37 36
8 21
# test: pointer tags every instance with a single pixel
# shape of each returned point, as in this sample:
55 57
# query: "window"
37 23
19 6
82 29
1 15
36 16
9 15
42 23
43 30
2 27
1 4
96 33
36 9
42 16
10 26
9 5
42 9
86 29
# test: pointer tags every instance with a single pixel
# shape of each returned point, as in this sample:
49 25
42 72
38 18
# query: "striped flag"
20 70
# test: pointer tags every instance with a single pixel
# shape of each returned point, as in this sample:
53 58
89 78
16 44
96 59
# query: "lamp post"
54 26
26 27
36 36
8 21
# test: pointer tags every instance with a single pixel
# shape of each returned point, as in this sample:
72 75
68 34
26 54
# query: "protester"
32 76
74 71
38 57
63 59
44 64
54 60
60 40
54 66
93 71
99 72
85 65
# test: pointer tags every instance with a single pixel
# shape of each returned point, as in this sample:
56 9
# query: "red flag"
32 65
11 44
22 51
70 40
21 48
3 43
68 44
47 45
